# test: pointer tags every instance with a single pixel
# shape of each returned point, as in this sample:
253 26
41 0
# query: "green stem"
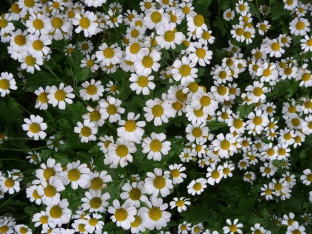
25 139
13 196
53 73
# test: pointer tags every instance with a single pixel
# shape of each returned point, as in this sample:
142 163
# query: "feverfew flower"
35 127
60 96
7 82
233 227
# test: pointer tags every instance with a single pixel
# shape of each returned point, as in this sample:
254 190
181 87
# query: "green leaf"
245 109
221 25
215 125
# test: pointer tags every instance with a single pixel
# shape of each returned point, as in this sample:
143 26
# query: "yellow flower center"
93 222
175 173
135 33
200 53
247 35
73 174
122 151
263 27
278 187
38 24
147 61
91 89
135 48
169 36
135 194
60 95
95 116
185 70
9 183
111 109
57 22
240 31
300 25
159 182
222 90
34 128
155 213
44 219
225 144
197 132
275 46
257 91
215 174
306 77
81 227
142 81
137 221
50 191
36 195
155 145
157 110
226 171
43 97
295 122
85 131
95 202
108 53
309 177
38 45
288 71
205 101
121 214
156 17
197 186
257 120
84 23
56 212
198 20
4 84
48 172
20 40
233 228
30 60
15 8
130 125
96 183
199 113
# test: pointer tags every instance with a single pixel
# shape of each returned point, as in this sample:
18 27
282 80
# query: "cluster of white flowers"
162 29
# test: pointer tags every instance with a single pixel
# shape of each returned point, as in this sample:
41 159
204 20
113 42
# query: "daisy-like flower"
299 26
306 43
38 46
184 70
7 224
306 177
204 100
158 110
214 175
296 228
30 62
148 63
196 23
22 229
32 194
58 213
158 182
60 96
134 193
90 62
134 52
94 116
263 27
94 223
86 23
42 219
76 174
98 180
9 184
122 215
38 24
86 130
131 129
49 190
111 88
233 227
156 18
228 14
200 54
225 145
168 37
256 92
156 146
154 215
119 153
7 82
95 201
268 191
35 127
176 173
108 55
184 228
111 109
258 229
180 203
274 48
142 84
93 89
197 186
42 99
257 121
51 168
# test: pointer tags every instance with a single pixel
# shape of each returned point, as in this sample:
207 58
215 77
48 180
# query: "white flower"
176 173
59 96
95 201
134 193
6 82
131 129
180 203
93 89
156 146
58 213
35 127
86 23
122 215
158 183
197 186
184 70
86 131
168 37
233 227
76 174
